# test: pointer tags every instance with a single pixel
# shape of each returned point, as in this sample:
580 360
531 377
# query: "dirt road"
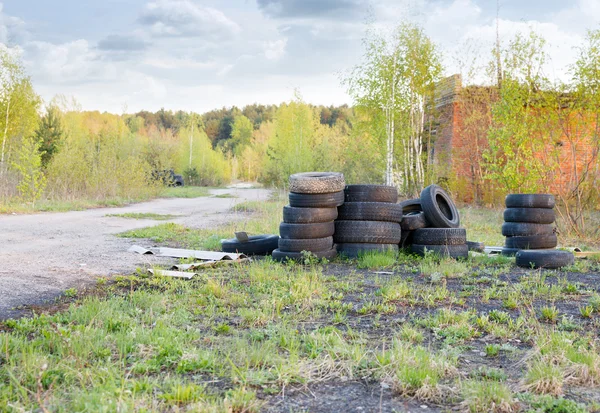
41 255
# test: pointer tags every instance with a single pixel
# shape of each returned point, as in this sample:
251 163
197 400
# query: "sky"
197 55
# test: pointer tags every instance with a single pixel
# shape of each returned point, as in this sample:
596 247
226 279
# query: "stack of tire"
530 232
308 220
431 223
369 220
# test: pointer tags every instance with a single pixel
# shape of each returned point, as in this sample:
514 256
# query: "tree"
28 162
241 134
49 134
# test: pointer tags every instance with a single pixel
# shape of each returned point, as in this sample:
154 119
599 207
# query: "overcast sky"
118 55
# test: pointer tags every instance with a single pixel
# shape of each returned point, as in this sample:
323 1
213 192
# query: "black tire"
331 200
178 180
354 250
413 221
439 208
367 232
370 211
521 229
532 242
454 251
440 236
530 201
306 231
293 215
256 245
371 193
317 182
298 256
544 258
476 246
509 252
411 205
532 215
406 238
299 245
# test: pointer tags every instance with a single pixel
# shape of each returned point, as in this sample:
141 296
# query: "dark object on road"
167 177
544 258
439 208
256 245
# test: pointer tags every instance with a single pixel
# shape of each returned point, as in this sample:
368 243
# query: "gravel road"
42 255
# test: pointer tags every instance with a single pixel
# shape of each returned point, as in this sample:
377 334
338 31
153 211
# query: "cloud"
122 43
276 49
339 9
12 29
184 18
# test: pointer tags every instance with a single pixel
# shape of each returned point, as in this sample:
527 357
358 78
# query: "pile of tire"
369 220
432 223
530 232
308 220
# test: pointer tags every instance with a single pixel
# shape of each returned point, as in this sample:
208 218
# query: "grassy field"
383 333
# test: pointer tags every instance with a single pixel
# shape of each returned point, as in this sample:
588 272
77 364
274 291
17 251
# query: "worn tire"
509 252
279 255
406 238
330 200
531 215
454 251
306 231
439 208
370 211
530 201
293 215
440 236
299 245
521 229
367 232
476 246
256 245
413 221
371 193
411 205
354 250
532 242
544 258
317 182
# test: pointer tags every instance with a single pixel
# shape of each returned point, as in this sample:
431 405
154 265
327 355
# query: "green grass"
185 192
144 215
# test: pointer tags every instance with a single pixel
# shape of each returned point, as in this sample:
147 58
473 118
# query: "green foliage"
28 162
50 134
241 134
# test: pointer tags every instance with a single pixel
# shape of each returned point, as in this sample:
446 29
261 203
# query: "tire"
440 236
476 246
530 201
178 180
367 232
330 200
354 250
439 208
297 256
256 245
413 221
521 229
532 242
371 193
306 231
406 238
293 215
299 245
370 211
454 251
317 182
544 258
509 252
532 215
411 205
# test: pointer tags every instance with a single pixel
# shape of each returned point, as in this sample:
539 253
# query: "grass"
185 192
144 215
475 335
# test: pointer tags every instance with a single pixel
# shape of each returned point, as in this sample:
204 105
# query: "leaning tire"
521 229
544 258
411 205
279 255
331 200
368 232
532 242
531 215
454 251
440 236
530 201
293 215
370 211
256 245
439 208
354 250
317 182
306 231
413 221
299 245
371 193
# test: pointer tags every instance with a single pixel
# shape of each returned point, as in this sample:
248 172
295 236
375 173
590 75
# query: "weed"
549 314
70 292
487 397
492 350
145 215
376 260
586 311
